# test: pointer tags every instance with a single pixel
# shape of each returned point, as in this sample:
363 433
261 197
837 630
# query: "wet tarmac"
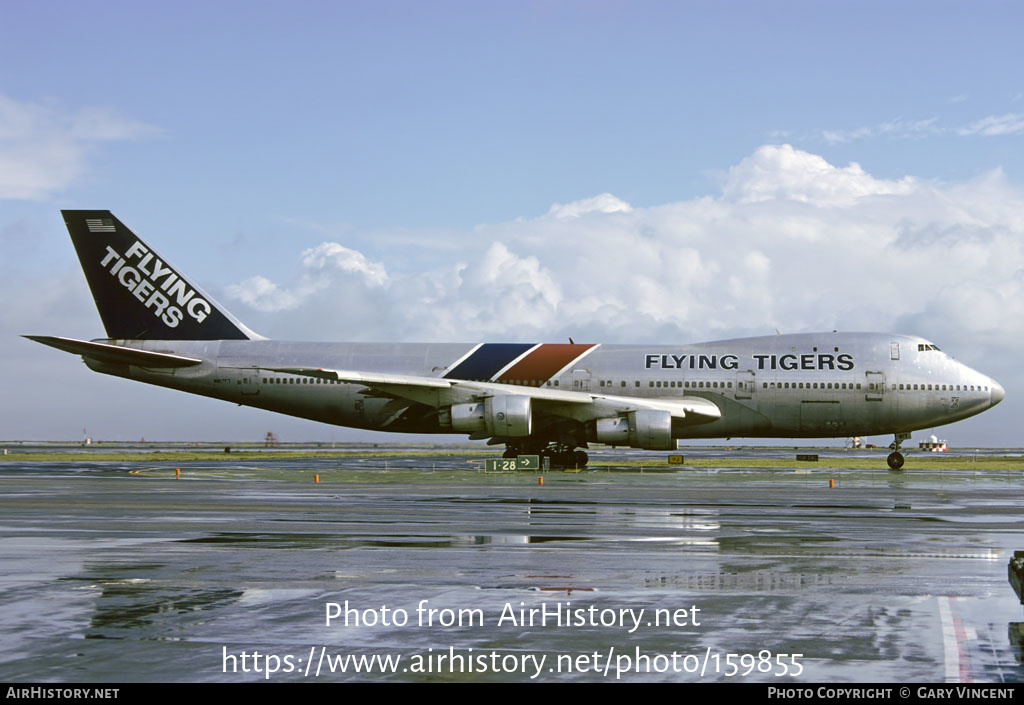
120 572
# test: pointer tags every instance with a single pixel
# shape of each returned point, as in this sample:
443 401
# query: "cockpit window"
922 347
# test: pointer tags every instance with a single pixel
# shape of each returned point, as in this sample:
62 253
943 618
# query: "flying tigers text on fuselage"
765 361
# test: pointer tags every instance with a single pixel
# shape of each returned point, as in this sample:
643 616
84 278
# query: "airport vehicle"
550 399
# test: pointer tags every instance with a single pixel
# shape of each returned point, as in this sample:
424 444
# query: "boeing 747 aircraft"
549 399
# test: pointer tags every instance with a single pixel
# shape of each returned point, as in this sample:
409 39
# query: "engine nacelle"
651 429
647 428
467 418
509 416
613 432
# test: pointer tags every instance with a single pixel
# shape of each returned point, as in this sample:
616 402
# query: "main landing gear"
895 459
560 455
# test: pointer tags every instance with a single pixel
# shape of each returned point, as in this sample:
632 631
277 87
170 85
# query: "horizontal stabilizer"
115 354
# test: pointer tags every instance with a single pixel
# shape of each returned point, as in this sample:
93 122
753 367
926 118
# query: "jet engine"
650 429
508 416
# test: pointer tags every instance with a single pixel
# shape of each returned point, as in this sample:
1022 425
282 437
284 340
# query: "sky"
512 171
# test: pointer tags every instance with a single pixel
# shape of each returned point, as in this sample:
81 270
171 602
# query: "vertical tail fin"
138 293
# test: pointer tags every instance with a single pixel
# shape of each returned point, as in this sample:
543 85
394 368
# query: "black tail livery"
140 296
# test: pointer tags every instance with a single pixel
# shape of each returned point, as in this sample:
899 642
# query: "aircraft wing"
581 406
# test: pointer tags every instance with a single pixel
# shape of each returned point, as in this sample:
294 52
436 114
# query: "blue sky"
429 139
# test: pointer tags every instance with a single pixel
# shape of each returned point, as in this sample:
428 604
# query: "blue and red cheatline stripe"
488 360
518 363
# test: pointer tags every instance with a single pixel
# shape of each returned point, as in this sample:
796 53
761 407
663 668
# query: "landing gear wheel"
895 461
580 458
509 454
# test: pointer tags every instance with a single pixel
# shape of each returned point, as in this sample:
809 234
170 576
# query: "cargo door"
746 385
874 386
581 380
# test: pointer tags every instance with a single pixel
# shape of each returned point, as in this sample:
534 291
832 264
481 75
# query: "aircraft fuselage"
805 385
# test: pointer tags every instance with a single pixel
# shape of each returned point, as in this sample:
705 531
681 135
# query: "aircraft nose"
998 393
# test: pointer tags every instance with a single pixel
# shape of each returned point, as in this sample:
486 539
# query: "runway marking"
954 643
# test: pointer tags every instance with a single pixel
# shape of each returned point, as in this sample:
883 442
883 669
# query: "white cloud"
605 203
792 242
995 125
893 128
323 266
990 126
331 255
43 147
260 293
777 172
